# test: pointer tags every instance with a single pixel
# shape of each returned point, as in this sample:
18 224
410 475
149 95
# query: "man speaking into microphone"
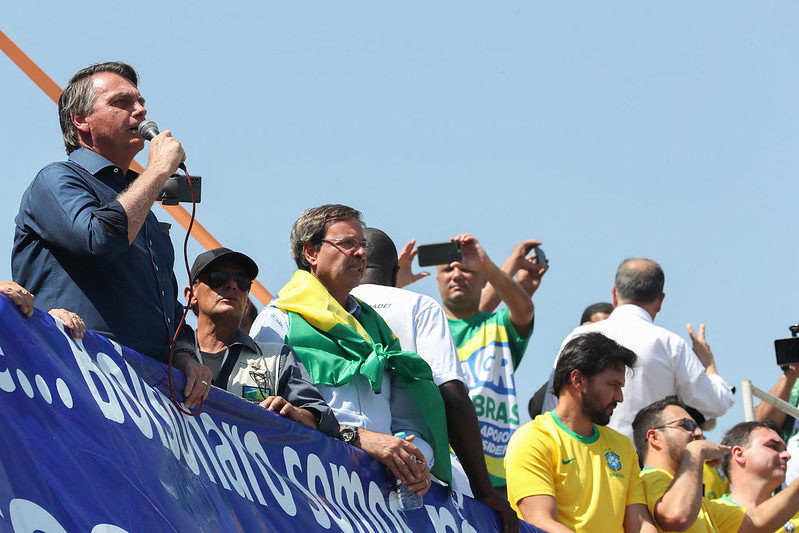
85 237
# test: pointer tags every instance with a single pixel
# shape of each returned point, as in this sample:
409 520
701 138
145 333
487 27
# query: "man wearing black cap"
268 373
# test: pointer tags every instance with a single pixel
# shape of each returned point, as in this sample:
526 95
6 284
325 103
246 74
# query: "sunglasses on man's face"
686 423
217 278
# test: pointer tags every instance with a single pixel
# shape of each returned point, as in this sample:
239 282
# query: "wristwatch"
349 434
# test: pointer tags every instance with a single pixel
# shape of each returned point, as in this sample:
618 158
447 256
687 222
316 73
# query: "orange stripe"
51 89
36 74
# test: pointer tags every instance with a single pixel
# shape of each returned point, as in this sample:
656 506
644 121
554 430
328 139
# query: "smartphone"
787 351
441 253
540 257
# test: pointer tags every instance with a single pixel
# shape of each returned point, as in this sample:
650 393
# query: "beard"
598 416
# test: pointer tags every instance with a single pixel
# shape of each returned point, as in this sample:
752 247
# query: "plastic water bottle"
408 501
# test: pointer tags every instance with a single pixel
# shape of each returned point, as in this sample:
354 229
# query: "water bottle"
408 501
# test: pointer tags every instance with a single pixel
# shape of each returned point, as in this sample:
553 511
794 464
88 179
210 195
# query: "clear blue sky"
606 130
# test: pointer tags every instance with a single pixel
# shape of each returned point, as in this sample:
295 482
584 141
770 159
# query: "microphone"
148 130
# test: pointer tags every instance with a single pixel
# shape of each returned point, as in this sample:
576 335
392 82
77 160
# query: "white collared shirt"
667 365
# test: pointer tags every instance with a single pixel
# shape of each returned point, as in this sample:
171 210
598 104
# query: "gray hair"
312 226
639 284
78 97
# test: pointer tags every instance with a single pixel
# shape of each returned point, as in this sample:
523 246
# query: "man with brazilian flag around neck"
375 389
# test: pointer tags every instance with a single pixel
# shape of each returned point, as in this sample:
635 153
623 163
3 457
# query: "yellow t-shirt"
592 479
716 483
790 526
713 516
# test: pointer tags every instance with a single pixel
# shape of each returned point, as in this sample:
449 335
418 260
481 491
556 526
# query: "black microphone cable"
148 130
186 307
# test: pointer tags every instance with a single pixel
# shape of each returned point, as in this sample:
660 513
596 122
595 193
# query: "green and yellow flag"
335 348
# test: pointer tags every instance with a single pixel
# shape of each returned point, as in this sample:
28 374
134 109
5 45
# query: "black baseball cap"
205 259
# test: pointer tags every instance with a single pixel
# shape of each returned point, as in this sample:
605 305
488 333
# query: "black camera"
176 189
788 349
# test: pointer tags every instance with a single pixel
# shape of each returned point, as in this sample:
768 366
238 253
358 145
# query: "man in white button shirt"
667 364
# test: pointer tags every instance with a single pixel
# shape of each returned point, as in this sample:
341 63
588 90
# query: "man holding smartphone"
490 345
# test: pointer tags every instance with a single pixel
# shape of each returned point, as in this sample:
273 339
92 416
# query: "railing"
749 391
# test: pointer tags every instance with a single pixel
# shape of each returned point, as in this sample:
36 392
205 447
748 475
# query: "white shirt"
356 404
666 365
421 326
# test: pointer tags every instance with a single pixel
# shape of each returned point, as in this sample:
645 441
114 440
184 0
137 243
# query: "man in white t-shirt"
421 326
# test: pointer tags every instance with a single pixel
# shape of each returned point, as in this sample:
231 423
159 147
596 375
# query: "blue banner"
91 442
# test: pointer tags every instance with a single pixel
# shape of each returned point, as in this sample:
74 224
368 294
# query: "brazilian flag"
335 348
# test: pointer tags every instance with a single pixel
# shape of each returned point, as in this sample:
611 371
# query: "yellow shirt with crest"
593 479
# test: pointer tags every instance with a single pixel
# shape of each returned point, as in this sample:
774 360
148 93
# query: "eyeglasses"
261 380
346 243
217 278
686 423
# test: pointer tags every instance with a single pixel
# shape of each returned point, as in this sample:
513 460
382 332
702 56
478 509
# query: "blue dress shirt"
71 251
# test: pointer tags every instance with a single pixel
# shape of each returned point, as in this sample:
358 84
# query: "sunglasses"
217 278
686 423
261 391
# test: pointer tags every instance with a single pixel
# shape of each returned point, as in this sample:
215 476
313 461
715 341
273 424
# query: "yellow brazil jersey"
790 526
592 479
713 516
715 481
